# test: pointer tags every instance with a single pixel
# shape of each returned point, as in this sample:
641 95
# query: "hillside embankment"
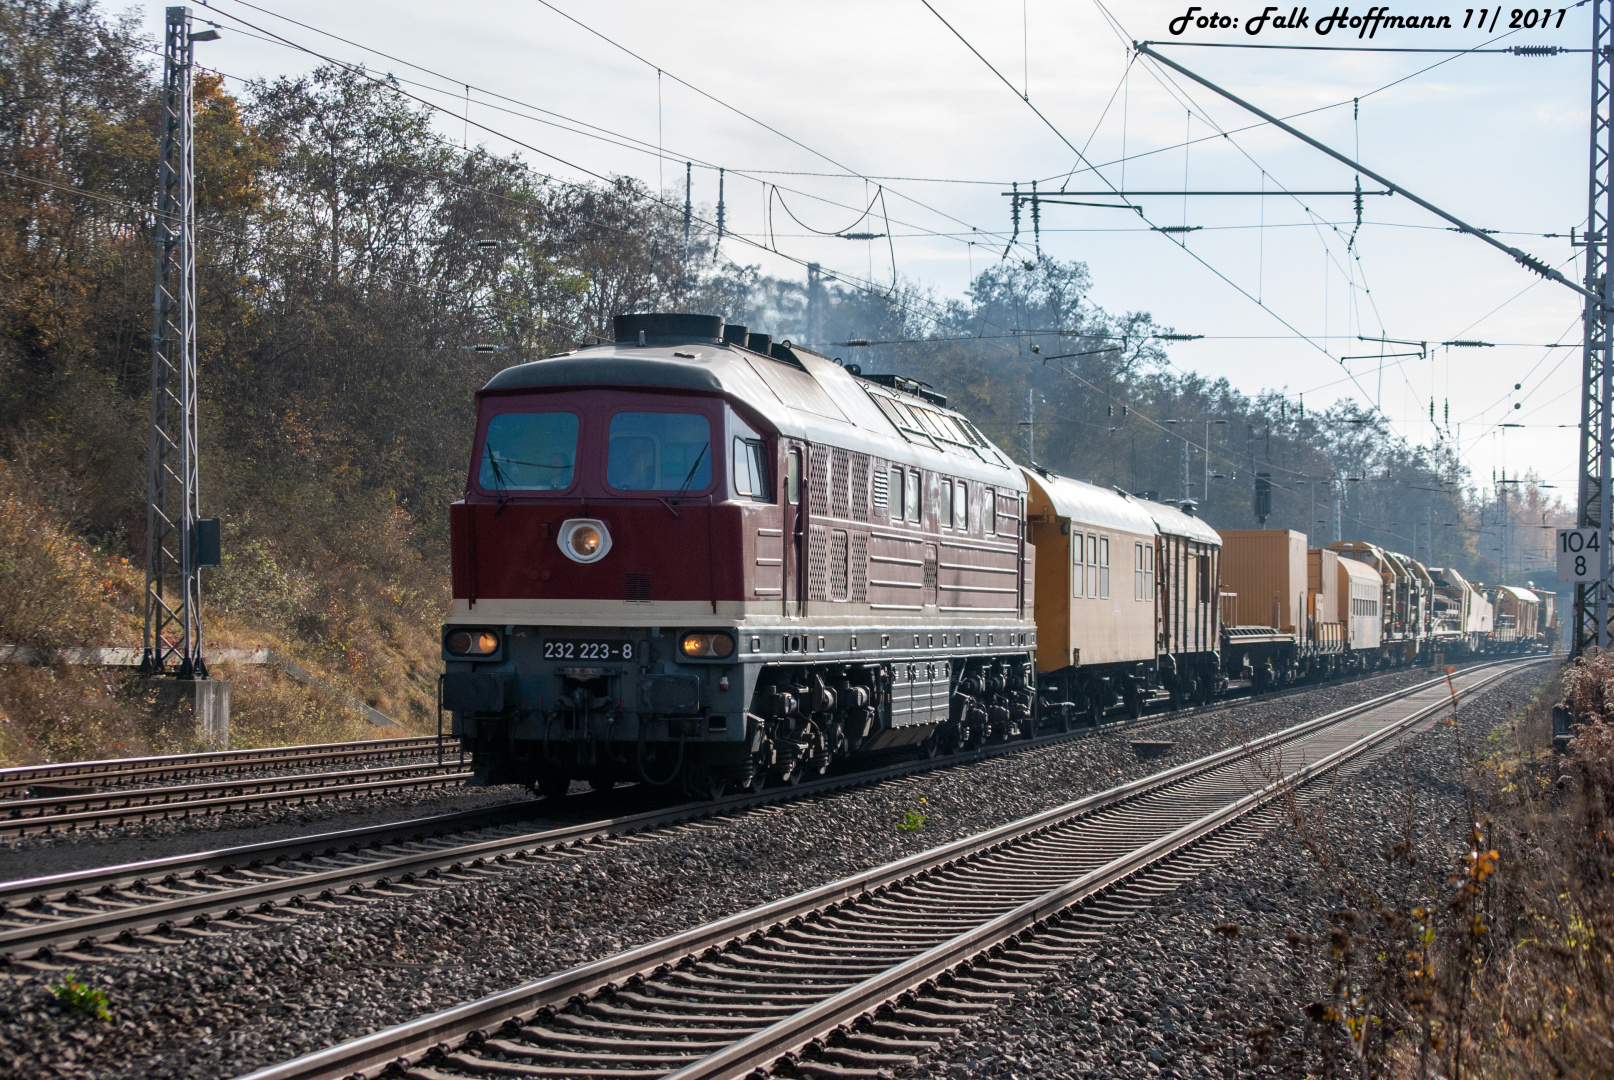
366 629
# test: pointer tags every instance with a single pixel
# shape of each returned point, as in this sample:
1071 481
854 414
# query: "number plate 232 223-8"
588 650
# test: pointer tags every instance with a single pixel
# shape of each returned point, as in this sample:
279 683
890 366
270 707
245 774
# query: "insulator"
1535 50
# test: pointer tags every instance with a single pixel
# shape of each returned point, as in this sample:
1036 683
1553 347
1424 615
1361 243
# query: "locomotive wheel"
705 786
553 785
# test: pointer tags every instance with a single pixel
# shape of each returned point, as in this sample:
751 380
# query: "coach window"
1148 572
897 486
910 497
1092 565
793 477
945 513
1205 578
961 506
1078 563
989 511
751 469
1137 571
1103 568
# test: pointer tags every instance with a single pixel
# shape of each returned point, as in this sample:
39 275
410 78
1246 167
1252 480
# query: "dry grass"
55 589
1498 963
363 619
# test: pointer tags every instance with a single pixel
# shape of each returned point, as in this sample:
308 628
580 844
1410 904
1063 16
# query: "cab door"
795 529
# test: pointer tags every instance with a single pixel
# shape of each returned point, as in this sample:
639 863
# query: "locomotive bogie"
638 709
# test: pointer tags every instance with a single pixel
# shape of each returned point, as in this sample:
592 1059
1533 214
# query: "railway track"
88 794
76 915
122 772
867 972
52 814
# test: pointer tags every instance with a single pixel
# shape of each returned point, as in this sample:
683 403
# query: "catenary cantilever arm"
1524 259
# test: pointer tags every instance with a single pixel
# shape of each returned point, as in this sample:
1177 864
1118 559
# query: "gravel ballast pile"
1214 979
220 1005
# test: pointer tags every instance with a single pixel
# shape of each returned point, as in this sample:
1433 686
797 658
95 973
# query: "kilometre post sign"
1579 552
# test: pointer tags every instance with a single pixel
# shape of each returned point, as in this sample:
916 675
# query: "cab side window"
898 485
750 469
793 477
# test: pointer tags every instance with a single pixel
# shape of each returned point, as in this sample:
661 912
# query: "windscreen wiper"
700 457
498 477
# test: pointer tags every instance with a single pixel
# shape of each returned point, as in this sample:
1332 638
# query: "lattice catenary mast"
1592 597
173 640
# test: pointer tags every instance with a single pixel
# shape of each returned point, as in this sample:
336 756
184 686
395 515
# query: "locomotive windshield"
529 452
659 452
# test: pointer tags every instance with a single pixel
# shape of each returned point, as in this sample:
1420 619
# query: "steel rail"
254 856
174 766
56 806
50 933
471 1022
21 826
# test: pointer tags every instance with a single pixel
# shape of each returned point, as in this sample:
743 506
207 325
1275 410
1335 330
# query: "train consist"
702 558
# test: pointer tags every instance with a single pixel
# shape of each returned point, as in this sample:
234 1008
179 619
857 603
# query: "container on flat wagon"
1328 627
1268 570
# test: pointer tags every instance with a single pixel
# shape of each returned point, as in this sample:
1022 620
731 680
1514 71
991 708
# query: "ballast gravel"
221 1004
1213 980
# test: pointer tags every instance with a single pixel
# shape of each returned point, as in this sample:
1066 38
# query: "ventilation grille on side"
837 564
818 481
860 487
817 563
839 495
881 487
860 568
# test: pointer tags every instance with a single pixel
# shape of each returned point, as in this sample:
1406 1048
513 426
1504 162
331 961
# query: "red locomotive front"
677 561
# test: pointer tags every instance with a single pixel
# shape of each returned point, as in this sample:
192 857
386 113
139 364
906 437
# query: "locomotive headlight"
472 643
584 540
706 646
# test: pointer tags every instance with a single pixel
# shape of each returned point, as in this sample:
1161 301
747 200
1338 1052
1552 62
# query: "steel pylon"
173 640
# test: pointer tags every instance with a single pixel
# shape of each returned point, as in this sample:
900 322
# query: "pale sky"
880 96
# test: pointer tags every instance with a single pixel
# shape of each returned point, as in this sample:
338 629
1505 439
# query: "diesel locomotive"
701 558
